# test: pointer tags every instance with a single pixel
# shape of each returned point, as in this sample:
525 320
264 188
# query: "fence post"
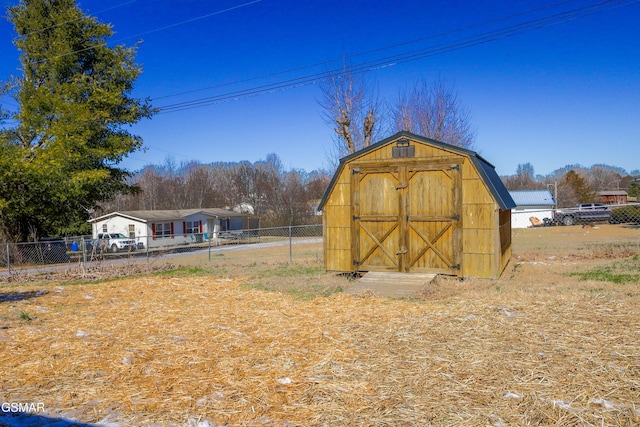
147 246
84 253
290 246
8 260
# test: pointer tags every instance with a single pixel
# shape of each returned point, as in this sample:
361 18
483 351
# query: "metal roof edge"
500 195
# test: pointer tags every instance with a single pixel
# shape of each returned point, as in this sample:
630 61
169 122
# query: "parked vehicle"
112 242
44 251
232 235
52 251
584 212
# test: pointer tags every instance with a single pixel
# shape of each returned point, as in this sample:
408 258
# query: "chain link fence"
84 252
613 214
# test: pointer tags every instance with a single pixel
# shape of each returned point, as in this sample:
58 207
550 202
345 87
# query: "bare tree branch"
349 106
435 112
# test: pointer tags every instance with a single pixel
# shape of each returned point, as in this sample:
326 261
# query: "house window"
192 227
163 229
104 228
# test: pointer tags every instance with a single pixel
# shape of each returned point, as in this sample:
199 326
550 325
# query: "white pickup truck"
112 242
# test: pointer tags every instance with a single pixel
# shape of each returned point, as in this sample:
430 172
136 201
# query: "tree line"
575 184
264 188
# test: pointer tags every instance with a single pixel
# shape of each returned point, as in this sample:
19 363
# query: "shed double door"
406 218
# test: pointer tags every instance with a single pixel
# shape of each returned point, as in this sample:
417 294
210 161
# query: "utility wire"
197 18
392 60
188 21
331 61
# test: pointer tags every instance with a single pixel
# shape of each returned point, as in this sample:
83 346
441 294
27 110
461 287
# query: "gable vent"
403 149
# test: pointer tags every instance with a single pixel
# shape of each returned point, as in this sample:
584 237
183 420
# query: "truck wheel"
568 220
114 248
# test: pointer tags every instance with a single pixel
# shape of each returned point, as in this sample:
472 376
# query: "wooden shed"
413 204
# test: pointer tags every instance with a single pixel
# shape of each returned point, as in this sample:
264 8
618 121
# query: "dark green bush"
626 214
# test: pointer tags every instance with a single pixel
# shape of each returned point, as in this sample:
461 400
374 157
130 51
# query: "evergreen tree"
634 190
74 93
580 187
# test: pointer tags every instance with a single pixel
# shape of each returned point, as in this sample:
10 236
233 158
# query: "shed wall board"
476 214
479 230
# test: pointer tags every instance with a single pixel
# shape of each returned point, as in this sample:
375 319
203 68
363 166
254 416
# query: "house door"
406 218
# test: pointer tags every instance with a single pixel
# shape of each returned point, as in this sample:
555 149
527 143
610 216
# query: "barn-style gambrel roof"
485 169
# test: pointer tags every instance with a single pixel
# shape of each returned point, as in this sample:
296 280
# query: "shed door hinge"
355 218
455 267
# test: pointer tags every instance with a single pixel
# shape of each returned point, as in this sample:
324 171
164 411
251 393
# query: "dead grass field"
245 342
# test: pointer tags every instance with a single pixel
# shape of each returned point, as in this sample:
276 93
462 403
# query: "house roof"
169 215
532 197
612 193
485 169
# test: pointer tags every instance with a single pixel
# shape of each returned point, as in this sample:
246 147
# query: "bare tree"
268 177
349 105
150 182
603 178
435 112
197 185
523 179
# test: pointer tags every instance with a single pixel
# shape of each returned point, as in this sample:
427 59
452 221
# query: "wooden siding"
373 188
478 242
337 231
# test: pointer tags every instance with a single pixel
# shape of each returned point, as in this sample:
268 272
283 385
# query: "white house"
531 203
171 227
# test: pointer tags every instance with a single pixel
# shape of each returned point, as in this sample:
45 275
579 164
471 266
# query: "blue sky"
563 94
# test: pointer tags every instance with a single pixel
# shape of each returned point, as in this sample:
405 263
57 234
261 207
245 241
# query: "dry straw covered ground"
555 341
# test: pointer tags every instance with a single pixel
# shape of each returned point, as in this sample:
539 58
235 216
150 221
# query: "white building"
537 204
171 227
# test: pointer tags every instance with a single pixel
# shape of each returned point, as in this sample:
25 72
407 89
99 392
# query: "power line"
197 18
330 61
392 60
188 21
389 60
